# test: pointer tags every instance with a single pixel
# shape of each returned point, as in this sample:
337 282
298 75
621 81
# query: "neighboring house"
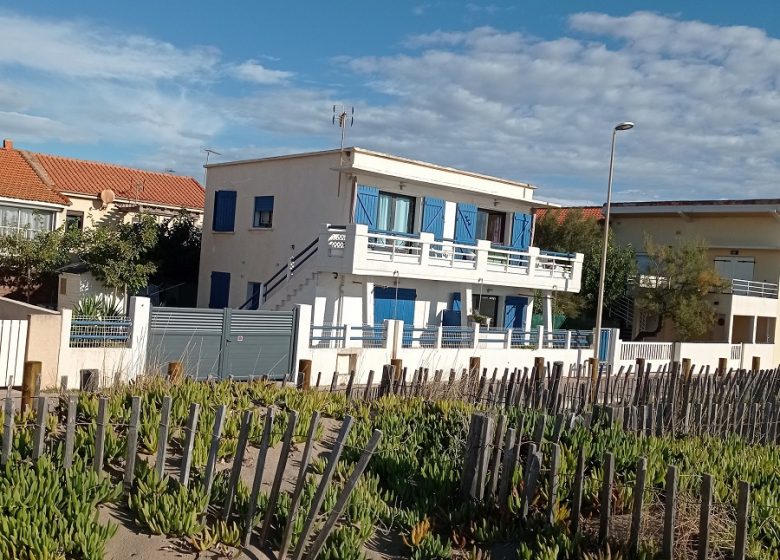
743 238
27 203
364 236
588 212
40 192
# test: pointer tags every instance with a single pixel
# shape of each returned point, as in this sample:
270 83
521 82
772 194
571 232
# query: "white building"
364 237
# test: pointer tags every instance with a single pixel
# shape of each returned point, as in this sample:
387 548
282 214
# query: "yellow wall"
756 236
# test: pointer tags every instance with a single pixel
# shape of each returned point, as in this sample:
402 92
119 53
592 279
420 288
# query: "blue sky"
526 90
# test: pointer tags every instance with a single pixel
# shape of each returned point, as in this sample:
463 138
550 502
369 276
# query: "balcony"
353 249
752 289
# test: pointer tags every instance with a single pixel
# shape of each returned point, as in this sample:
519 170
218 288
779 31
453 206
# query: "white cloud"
253 71
704 97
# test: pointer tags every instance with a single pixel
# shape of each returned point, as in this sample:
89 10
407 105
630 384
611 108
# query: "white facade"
366 237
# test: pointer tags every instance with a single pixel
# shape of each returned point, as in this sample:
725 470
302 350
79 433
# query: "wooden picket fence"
40 447
674 399
494 451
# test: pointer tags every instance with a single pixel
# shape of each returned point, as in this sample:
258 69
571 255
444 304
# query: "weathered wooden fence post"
743 510
30 378
579 486
162 439
100 436
636 513
211 463
670 512
319 496
238 460
299 484
704 517
39 437
70 432
8 428
189 443
132 440
257 482
292 422
605 506
341 502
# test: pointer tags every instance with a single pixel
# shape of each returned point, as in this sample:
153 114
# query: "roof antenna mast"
343 118
208 151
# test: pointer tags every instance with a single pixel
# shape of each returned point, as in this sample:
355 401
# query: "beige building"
366 237
41 192
743 237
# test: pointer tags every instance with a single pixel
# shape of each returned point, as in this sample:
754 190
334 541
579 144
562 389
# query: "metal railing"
647 350
755 289
457 337
327 336
419 337
495 335
524 339
369 336
294 263
91 332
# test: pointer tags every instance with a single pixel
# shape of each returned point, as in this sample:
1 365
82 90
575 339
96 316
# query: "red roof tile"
19 180
91 178
588 212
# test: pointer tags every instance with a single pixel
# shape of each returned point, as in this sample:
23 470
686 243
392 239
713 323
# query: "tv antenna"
208 151
343 118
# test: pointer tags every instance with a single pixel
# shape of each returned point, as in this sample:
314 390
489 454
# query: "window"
490 225
264 212
26 221
63 286
74 220
395 213
224 211
487 306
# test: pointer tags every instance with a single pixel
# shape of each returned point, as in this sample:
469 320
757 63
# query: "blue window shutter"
433 217
466 224
521 230
224 211
264 203
220 290
366 205
514 312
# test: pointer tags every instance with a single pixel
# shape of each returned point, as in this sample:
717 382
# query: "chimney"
8 144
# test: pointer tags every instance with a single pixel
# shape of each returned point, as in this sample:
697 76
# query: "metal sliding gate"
222 342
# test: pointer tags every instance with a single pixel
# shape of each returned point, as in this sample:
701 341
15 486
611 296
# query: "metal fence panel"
190 336
222 342
259 343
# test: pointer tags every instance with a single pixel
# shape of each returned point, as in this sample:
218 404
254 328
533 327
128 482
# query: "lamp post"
602 275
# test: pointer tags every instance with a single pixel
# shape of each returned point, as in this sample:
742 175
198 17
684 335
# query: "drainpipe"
340 318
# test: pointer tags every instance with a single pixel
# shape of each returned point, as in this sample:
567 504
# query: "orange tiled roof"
588 212
77 176
19 180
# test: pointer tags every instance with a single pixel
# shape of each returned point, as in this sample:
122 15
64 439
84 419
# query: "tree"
177 252
119 255
27 263
570 231
675 287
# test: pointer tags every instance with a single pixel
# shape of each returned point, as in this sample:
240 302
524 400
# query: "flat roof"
724 206
376 154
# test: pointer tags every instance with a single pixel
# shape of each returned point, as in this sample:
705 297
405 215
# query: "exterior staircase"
295 290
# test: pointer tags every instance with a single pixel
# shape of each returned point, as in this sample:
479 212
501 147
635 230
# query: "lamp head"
624 126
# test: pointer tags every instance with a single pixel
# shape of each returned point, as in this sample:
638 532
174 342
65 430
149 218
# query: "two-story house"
743 239
364 236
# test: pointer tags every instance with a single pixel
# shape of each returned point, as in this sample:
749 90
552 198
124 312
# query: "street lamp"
602 276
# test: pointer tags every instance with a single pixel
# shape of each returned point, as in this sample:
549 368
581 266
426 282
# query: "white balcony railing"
754 289
357 250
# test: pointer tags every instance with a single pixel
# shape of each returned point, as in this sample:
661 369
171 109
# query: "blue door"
603 345
392 303
451 317
514 312
220 290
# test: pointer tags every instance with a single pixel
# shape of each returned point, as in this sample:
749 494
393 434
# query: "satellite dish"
107 196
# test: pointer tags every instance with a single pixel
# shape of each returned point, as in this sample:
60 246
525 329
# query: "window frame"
256 214
394 197
488 214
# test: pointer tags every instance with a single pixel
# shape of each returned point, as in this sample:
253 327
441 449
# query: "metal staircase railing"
287 271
